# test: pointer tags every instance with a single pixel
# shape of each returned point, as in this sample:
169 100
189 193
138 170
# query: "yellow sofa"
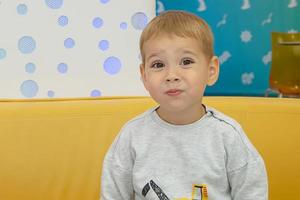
53 149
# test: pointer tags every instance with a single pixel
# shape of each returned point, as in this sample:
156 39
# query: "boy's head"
182 24
178 63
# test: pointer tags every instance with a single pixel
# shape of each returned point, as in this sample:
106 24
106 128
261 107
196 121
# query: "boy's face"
176 72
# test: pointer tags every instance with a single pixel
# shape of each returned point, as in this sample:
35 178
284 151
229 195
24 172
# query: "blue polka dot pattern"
30 68
79 45
103 45
2 54
123 25
95 93
104 1
62 68
54 4
22 9
69 43
112 65
97 22
63 20
29 88
139 20
26 45
50 93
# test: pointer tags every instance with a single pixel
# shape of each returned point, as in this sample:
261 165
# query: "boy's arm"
249 182
245 169
116 181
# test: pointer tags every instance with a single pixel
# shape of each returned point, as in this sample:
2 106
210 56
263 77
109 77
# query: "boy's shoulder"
223 119
139 119
231 130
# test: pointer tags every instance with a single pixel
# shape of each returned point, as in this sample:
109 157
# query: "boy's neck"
181 118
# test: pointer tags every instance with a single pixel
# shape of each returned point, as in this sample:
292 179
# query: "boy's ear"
142 71
143 75
213 71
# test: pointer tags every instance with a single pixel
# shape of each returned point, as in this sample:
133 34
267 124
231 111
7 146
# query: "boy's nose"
172 79
172 76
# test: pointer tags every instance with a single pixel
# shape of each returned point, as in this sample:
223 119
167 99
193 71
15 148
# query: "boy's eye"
187 61
157 65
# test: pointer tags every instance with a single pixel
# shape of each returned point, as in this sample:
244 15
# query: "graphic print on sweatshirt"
199 192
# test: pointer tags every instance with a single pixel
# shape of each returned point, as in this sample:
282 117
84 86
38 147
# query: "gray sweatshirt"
211 158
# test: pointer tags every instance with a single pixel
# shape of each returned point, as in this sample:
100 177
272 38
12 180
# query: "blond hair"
181 24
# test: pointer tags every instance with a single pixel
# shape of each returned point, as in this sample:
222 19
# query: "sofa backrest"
53 149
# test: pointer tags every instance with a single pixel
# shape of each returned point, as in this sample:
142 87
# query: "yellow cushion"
53 149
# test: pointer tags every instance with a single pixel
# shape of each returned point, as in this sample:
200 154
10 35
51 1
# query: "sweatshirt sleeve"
116 181
246 169
249 182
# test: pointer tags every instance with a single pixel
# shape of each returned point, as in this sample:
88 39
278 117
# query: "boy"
181 149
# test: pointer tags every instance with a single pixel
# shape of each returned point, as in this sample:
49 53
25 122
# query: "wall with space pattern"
242 38
71 48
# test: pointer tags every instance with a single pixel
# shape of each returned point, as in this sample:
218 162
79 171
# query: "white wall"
37 60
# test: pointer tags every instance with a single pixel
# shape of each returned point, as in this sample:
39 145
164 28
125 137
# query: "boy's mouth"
173 92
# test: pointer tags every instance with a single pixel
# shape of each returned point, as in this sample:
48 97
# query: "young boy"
181 149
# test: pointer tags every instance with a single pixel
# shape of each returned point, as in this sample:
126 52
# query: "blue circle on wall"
50 93
139 20
26 45
62 68
123 25
22 9
69 43
54 4
104 1
103 45
63 20
95 93
112 65
97 22
30 68
2 54
29 88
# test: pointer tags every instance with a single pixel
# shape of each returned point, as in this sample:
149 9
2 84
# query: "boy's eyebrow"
189 52
154 54
184 51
